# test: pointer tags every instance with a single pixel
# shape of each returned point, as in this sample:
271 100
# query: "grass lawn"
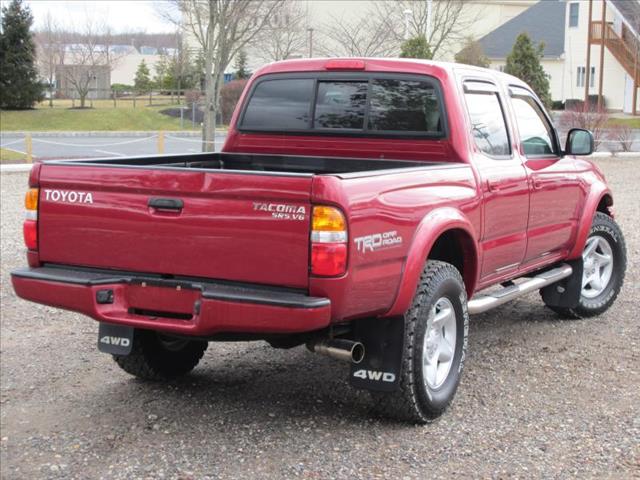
106 119
11 156
629 122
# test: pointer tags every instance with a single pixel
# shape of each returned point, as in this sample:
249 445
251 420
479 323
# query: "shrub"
622 135
192 96
589 118
416 47
229 96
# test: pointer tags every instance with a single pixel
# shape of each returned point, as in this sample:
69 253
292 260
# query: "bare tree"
50 48
450 22
284 36
88 53
222 28
368 36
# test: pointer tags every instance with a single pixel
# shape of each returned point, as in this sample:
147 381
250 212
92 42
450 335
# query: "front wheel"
435 342
155 356
604 264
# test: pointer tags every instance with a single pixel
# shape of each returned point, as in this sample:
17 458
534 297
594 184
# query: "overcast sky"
121 15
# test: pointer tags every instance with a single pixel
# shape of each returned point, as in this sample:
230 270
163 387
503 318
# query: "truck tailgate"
249 227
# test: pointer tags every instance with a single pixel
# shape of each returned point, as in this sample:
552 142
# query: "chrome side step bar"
482 303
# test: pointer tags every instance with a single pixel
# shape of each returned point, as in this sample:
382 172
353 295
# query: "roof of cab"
391 65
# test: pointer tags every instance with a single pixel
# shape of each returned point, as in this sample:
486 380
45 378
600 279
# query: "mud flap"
383 340
115 339
565 293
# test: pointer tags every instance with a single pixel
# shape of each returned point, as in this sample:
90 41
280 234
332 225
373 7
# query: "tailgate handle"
166 204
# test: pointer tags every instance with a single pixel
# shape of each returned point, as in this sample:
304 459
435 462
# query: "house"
480 17
545 23
71 80
124 67
568 34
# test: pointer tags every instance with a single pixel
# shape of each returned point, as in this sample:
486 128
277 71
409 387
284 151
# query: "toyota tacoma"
364 208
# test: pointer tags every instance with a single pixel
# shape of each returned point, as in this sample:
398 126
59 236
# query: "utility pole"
587 70
407 19
429 9
310 30
602 35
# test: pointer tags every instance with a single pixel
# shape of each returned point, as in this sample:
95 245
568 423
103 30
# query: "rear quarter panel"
393 204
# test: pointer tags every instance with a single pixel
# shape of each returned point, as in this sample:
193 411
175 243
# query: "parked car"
363 207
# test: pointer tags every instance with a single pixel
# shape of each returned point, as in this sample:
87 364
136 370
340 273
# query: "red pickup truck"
363 207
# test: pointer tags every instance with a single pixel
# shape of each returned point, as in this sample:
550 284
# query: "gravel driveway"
540 397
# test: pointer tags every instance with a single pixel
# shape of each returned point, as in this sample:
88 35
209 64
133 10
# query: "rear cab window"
361 104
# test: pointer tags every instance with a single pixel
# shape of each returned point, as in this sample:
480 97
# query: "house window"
574 10
581 74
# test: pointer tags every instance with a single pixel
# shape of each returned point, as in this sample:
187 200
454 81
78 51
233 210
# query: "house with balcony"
591 48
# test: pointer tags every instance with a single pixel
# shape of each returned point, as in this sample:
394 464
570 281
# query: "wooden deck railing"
624 51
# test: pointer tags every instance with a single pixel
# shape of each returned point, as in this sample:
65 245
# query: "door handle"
496 185
173 204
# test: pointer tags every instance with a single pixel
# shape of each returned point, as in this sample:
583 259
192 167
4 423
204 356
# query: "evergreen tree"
416 47
163 78
524 62
20 87
242 72
472 54
142 82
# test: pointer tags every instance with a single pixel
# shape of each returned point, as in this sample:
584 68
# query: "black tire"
414 400
603 226
158 357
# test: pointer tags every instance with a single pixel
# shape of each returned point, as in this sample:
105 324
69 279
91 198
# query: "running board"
482 303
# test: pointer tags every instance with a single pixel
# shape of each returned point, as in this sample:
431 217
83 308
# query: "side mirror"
579 142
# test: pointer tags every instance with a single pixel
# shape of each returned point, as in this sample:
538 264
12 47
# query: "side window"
341 105
574 12
487 123
535 132
282 104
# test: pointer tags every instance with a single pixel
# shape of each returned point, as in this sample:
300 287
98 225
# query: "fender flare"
597 193
432 226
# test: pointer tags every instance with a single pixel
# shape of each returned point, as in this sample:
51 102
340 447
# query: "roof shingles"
544 22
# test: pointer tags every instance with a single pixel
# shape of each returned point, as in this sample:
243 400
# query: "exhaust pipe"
338 348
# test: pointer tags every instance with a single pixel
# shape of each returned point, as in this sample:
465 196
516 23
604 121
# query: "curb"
110 133
597 155
16 168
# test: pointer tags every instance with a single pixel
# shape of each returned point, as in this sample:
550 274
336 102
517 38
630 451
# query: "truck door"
555 189
503 182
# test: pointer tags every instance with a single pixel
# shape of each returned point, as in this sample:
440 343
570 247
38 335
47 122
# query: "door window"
536 134
488 126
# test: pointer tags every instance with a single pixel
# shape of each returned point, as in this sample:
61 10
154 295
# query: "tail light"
328 242
30 226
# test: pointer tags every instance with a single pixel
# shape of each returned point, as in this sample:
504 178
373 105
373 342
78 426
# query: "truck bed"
225 216
256 163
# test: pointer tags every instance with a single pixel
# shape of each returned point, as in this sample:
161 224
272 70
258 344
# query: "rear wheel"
604 264
155 356
435 342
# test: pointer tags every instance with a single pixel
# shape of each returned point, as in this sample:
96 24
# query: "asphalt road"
540 397
76 147
48 147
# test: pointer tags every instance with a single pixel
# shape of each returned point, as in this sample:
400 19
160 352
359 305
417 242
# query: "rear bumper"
182 306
